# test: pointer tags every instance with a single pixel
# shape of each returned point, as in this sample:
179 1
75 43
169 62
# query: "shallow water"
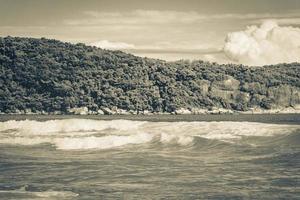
124 159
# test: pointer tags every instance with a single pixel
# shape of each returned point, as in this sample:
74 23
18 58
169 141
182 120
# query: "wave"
65 126
49 194
77 134
105 142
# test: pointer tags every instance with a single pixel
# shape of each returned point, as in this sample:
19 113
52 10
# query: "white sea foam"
76 134
25 140
176 139
105 142
49 194
67 125
56 194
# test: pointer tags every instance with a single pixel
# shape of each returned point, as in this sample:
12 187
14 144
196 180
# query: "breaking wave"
77 134
23 193
105 142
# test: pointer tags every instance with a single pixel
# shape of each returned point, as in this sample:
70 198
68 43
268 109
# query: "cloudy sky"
254 32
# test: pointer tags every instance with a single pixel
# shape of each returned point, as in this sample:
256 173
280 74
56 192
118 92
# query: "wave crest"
66 126
106 142
76 134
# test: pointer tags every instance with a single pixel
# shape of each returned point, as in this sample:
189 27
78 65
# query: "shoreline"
261 118
181 111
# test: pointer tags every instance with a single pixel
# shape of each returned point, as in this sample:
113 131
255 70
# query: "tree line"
49 75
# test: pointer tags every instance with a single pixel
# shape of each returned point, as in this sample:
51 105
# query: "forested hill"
42 75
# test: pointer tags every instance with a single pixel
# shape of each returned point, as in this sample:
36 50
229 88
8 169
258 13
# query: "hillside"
49 76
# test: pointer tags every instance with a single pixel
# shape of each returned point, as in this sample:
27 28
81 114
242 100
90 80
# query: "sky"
252 32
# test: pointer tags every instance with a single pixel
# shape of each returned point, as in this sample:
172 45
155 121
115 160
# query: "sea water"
156 158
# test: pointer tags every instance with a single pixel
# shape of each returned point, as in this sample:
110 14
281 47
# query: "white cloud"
105 44
264 45
281 21
158 47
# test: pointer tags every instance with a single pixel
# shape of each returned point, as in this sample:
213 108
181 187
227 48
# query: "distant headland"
43 76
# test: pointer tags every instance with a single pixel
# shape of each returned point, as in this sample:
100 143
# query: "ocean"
150 157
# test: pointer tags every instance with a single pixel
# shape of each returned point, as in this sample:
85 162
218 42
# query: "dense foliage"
50 75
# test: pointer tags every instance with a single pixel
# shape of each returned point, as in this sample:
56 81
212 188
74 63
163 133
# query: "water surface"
252 157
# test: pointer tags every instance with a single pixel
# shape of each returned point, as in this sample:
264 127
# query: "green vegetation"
49 75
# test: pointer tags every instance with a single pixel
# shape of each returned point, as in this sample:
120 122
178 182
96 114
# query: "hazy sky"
173 29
